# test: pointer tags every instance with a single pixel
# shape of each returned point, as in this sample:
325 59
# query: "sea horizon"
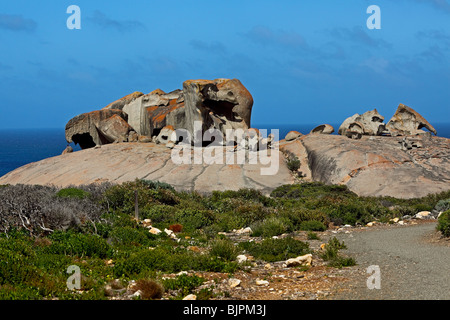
19 147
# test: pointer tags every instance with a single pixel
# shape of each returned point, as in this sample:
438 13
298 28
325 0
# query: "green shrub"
357 211
270 227
193 219
272 250
128 236
159 214
442 205
186 284
16 268
225 222
444 223
224 249
157 185
20 292
292 161
169 260
312 225
310 189
312 236
331 254
123 196
297 216
78 244
73 193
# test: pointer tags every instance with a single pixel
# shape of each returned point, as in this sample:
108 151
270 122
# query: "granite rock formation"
377 165
369 123
98 128
323 129
407 121
220 104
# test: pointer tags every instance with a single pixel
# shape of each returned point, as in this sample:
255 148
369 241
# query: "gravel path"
411 267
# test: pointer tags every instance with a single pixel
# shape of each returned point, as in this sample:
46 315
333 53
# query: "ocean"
20 147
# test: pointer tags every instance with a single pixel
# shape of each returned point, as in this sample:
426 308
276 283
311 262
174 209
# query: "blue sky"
305 62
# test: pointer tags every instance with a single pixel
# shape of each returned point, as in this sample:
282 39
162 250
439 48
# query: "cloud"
213 47
433 34
434 53
14 22
100 19
5 67
442 5
358 35
267 37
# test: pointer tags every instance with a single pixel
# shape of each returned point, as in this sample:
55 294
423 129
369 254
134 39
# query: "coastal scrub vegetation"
44 230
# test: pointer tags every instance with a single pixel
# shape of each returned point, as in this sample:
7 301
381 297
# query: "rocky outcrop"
121 162
369 123
98 128
379 166
323 129
219 104
292 135
407 121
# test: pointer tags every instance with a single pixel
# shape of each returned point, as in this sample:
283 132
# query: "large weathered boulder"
115 129
323 129
221 104
151 112
292 135
406 121
97 128
369 123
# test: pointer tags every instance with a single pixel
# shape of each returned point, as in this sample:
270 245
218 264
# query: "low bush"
292 161
310 189
272 250
150 290
331 254
312 236
193 219
269 227
312 225
184 283
224 249
129 236
72 193
78 244
442 205
169 260
444 223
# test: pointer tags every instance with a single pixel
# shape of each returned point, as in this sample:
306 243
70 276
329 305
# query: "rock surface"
378 166
122 162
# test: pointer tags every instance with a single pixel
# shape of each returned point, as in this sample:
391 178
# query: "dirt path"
411 266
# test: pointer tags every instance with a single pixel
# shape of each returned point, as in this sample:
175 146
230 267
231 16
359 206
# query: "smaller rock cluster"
405 122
